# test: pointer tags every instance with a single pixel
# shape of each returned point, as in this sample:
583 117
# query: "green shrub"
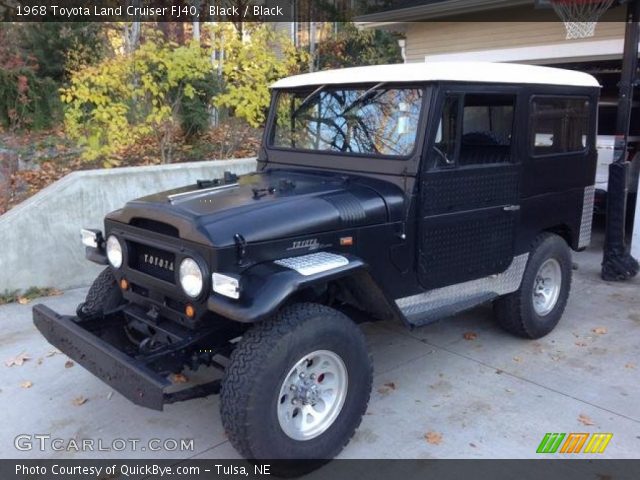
195 111
27 101
58 46
112 105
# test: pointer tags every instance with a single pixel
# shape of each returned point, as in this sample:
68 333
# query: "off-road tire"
103 296
258 367
515 312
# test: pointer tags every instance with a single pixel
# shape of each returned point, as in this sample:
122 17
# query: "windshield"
376 121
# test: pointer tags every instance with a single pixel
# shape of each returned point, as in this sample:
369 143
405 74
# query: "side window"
488 119
479 133
559 125
487 129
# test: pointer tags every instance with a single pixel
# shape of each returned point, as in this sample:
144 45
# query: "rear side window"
559 125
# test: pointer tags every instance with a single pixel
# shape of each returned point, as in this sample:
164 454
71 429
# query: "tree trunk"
196 22
131 37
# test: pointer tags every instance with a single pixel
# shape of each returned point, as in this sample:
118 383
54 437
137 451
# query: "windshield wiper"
363 97
308 99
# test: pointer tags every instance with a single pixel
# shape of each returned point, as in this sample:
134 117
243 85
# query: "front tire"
535 309
297 385
103 296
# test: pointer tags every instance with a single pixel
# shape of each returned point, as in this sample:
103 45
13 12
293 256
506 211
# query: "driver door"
469 189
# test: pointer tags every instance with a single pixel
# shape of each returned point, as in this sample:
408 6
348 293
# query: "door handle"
511 208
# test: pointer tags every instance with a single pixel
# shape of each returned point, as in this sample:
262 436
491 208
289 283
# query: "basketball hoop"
580 17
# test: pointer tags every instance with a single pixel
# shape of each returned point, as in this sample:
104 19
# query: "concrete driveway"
436 393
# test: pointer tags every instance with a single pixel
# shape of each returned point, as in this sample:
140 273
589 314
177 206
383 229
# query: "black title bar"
241 11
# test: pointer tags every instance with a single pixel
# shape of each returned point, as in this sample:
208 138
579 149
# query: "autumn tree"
352 47
114 104
250 65
56 46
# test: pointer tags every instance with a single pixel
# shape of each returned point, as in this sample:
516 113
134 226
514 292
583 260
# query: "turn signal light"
346 241
190 311
124 285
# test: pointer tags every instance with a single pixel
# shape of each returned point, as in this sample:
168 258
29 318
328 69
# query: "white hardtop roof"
483 72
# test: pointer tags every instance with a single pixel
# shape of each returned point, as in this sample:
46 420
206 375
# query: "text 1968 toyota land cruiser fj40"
400 193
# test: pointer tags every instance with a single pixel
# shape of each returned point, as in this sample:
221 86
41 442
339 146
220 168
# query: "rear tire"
103 296
308 359
535 309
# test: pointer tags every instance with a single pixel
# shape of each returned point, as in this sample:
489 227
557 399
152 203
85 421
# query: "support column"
617 262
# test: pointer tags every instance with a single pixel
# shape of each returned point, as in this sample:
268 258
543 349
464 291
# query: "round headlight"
191 277
114 251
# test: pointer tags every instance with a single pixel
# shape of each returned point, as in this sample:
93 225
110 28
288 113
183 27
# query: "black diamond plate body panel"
466 189
466 233
456 251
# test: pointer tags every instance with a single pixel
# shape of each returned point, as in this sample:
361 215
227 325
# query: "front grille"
152 261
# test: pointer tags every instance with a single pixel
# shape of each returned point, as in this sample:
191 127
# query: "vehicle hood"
265 206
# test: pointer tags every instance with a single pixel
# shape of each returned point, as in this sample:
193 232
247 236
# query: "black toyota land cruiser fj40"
402 193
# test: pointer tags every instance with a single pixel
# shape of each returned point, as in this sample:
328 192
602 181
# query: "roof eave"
433 11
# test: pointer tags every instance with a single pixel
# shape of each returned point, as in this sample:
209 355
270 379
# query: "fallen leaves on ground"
233 138
30 294
26 384
470 335
179 378
517 359
600 330
386 388
581 344
79 401
68 364
51 353
433 438
585 420
631 366
17 360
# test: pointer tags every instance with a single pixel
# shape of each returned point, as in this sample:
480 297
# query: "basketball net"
580 17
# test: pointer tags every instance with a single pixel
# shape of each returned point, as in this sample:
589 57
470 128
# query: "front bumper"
123 373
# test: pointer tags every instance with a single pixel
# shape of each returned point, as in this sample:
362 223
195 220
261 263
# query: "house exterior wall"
437 38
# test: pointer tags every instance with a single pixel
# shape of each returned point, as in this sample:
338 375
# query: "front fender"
265 287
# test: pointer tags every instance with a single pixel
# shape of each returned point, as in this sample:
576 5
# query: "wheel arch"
356 290
270 288
565 232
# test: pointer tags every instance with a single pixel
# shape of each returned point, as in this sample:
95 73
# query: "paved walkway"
436 394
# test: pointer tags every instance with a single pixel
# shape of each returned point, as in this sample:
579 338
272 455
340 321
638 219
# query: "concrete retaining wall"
40 240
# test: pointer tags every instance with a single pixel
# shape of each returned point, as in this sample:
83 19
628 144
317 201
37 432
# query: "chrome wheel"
546 287
312 395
